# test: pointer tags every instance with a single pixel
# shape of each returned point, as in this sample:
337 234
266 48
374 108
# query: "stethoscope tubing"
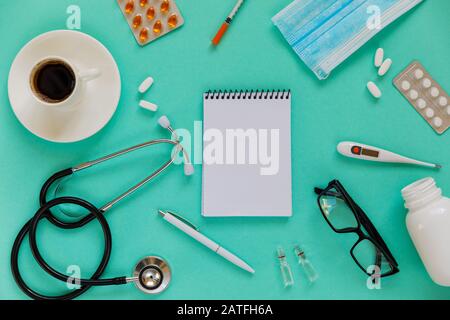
94 213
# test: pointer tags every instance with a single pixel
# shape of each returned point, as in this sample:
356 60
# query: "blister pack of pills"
425 95
151 19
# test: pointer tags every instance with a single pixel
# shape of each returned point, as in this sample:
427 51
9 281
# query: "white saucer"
101 95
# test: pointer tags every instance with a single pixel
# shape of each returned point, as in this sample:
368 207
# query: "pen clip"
193 226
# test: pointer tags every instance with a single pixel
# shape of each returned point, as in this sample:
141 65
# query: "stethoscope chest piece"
152 275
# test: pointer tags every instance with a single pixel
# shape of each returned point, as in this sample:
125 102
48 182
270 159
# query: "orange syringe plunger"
220 33
226 24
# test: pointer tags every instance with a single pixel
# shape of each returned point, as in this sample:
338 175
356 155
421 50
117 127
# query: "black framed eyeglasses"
345 216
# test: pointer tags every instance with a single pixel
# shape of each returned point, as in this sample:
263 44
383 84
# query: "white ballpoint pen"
190 230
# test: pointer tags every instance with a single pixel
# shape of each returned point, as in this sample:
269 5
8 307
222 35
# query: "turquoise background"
252 55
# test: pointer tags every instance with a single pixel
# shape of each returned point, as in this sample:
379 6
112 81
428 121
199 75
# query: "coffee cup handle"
89 74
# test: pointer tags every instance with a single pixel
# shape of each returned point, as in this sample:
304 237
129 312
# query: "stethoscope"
151 274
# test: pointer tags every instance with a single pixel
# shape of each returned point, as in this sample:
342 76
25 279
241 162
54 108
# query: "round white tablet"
418 74
437 122
426 83
434 92
421 103
413 94
429 113
443 101
406 85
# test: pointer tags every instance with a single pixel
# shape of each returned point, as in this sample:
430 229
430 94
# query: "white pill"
406 85
437 122
385 67
148 105
443 101
413 94
429 113
426 83
448 110
434 92
418 74
373 89
421 103
379 57
145 85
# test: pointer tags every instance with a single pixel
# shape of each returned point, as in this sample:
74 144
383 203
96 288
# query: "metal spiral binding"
247 94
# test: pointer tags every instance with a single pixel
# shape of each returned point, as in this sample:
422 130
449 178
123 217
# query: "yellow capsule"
157 27
137 21
150 13
165 6
143 3
173 20
143 35
129 7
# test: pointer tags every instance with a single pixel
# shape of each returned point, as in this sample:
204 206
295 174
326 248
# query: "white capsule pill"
379 57
421 103
437 122
426 83
418 74
434 92
406 85
148 105
443 101
373 89
385 67
145 85
429 113
413 94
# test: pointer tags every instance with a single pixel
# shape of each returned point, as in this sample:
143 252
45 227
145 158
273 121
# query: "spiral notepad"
247 153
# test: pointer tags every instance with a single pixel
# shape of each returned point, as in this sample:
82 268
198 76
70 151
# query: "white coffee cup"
80 78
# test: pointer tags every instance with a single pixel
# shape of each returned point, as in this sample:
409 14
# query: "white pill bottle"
428 223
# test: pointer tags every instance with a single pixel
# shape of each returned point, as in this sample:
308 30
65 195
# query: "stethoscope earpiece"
152 275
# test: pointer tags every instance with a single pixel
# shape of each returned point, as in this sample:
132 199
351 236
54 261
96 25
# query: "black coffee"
54 81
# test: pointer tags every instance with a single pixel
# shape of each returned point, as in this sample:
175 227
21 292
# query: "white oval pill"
448 110
385 67
406 85
373 89
429 113
426 83
413 94
434 92
421 103
418 74
379 56
437 122
443 101
148 105
145 85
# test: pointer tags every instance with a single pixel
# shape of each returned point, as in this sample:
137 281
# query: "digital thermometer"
365 152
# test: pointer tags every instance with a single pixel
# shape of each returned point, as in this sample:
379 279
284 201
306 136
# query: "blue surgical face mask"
326 32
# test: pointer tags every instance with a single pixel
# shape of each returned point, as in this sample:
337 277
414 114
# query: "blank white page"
240 189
